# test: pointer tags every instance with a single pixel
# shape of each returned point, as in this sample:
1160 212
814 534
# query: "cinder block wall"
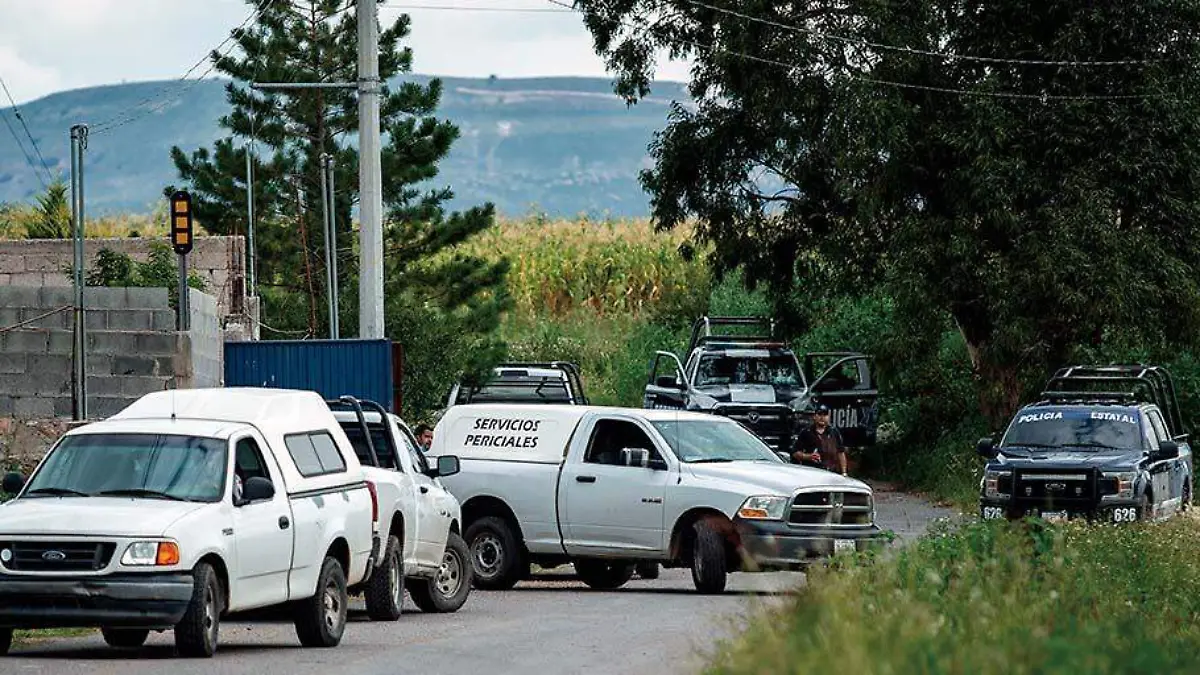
132 348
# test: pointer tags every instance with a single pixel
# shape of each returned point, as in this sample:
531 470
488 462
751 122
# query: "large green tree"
427 281
972 161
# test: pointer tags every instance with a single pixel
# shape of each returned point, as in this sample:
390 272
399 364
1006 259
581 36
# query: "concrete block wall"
132 348
220 261
206 344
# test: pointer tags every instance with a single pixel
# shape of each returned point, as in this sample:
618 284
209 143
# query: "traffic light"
181 222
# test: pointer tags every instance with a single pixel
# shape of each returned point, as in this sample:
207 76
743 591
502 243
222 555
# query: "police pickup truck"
1104 443
759 382
187 507
607 488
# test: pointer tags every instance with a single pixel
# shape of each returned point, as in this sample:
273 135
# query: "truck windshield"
1074 429
715 441
748 367
152 466
517 389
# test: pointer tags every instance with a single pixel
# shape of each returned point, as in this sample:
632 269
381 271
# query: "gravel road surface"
550 625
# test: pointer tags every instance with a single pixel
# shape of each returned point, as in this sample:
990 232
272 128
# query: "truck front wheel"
708 559
196 634
447 591
496 556
384 592
322 618
604 575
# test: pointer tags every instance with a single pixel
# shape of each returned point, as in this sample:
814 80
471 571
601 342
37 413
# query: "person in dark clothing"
821 444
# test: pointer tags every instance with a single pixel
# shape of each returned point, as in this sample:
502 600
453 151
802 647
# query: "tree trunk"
998 384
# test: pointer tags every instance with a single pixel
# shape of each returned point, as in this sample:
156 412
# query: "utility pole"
79 134
370 179
252 289
330 281
337 317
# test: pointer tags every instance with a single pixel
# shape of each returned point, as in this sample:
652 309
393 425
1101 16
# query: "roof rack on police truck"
1070 384
706 324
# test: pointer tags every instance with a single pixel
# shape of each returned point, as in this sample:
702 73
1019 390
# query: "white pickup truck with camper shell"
185 508
419 520
608 488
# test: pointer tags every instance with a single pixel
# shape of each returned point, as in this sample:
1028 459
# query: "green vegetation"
993 598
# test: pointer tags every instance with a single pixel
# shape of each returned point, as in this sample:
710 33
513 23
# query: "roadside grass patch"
993 597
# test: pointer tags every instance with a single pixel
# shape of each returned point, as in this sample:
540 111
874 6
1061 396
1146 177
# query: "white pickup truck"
187 507
420 520
608 488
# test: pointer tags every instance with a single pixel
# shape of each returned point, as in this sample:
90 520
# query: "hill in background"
562 146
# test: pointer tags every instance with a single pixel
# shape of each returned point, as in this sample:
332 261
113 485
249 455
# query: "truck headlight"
997 484
1123 482
764 507
151 553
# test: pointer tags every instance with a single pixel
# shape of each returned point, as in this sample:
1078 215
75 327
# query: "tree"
52 218
839 148
315 40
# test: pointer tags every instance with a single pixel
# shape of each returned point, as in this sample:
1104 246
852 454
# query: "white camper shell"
609 488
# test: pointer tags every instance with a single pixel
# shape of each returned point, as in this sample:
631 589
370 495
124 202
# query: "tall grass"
994 598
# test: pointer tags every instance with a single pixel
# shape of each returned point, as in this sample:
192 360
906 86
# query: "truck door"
847 387
1167 476
262 531
430 523
609 505
665 388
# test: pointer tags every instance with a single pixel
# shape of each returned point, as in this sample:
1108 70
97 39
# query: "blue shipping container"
332 368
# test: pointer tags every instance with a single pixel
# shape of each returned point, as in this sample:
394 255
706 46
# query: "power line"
904 85
921 52
131 115
28 158
21 118
461 8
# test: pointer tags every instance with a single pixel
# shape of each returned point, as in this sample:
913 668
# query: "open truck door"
667 386
845 382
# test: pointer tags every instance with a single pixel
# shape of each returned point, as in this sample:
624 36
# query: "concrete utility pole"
370 179
330 281
79 376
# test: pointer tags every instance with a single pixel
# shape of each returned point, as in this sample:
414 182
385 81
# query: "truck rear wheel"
322 618
708 560
196 634
604 575
384 592
448 590
125 638
496 556
6 638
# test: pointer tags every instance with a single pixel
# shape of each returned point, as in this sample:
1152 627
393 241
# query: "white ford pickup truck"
420 520
608 488
186 507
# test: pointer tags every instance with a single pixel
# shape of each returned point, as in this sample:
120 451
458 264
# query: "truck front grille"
1052 489
831 508
772 424
56 556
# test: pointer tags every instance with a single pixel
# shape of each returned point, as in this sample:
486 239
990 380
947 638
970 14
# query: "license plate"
840 545
1055 516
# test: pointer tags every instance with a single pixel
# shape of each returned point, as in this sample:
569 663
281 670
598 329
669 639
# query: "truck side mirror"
986 448
13 482
635 457
257 489
447 465
1166 450
668 382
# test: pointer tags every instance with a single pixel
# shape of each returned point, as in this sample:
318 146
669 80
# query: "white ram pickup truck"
184 508
421 520
608 488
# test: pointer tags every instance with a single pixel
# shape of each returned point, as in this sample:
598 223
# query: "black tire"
647 570
709 569
447 592
197 632
6 640
321 619
497 560
384 591
125 638
604 575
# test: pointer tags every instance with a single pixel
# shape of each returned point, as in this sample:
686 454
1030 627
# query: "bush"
994 598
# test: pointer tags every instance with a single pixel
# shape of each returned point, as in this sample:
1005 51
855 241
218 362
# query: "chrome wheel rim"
394 584
333 607
210 612
449 576
488 555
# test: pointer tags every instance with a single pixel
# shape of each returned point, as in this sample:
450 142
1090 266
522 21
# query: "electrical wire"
21 118
461 8
904 85
132 115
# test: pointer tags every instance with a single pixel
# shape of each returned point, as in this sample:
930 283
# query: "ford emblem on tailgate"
54 556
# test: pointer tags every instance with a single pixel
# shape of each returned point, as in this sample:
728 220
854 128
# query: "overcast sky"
52 45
